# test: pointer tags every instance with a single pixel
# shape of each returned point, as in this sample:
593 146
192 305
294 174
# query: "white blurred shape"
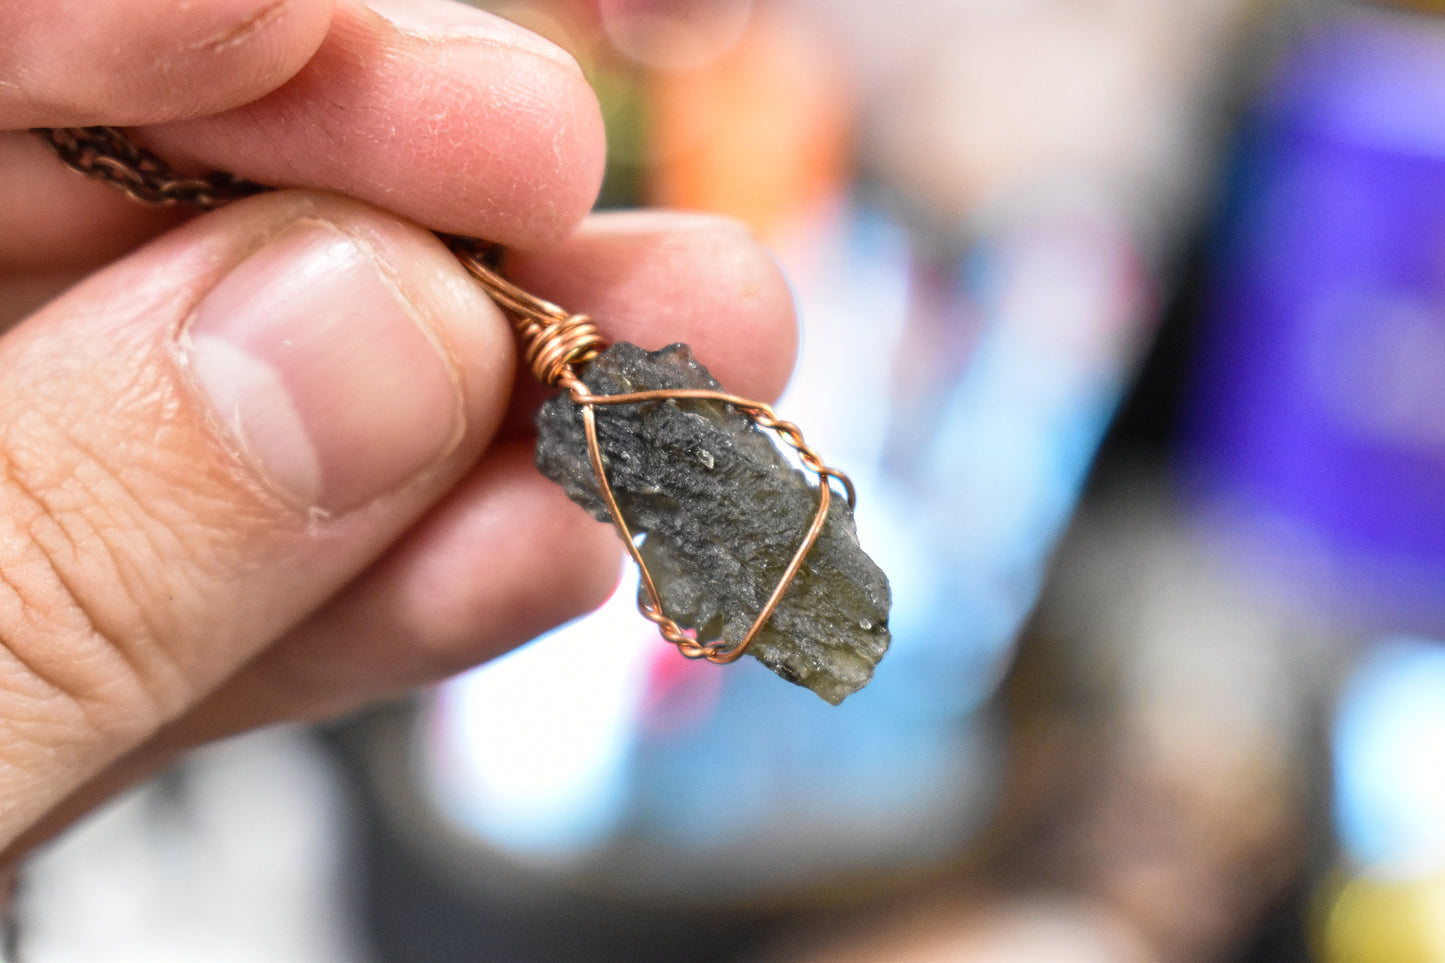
236 857
672 35
531 752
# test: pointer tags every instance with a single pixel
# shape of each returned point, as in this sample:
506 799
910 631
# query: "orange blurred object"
760 132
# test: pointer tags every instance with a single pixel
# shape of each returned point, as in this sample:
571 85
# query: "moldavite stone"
721 512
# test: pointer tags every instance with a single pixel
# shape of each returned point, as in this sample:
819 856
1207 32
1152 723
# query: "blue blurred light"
1389 758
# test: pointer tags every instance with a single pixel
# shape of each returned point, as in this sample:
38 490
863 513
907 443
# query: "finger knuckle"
73 621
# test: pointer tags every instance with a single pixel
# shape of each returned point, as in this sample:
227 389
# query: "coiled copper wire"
556 344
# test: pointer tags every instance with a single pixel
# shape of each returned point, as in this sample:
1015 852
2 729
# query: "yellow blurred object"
1400 920
760 133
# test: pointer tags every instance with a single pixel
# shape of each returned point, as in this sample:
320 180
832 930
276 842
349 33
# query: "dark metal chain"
108 154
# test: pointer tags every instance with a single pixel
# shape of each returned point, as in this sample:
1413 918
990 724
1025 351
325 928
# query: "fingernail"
321 375
449 20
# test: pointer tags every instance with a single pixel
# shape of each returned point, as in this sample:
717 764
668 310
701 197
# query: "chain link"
106 153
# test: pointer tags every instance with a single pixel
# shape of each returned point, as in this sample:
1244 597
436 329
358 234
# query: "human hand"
266 463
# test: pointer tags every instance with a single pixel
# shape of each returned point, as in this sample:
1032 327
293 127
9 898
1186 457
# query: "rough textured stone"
721 512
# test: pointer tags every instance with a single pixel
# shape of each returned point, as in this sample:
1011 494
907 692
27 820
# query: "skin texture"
157 589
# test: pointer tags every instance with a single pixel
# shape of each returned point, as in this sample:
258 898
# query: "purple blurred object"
1320 404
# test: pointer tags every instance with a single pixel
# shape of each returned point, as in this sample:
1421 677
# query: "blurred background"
1127 317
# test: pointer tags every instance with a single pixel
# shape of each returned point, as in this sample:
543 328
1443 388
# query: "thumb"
203 443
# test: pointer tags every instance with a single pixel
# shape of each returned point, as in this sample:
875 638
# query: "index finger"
125 62
449 116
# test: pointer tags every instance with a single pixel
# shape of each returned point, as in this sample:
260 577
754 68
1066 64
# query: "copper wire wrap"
555 343
761 415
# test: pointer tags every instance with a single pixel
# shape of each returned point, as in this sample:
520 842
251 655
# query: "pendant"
722 516
737 551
